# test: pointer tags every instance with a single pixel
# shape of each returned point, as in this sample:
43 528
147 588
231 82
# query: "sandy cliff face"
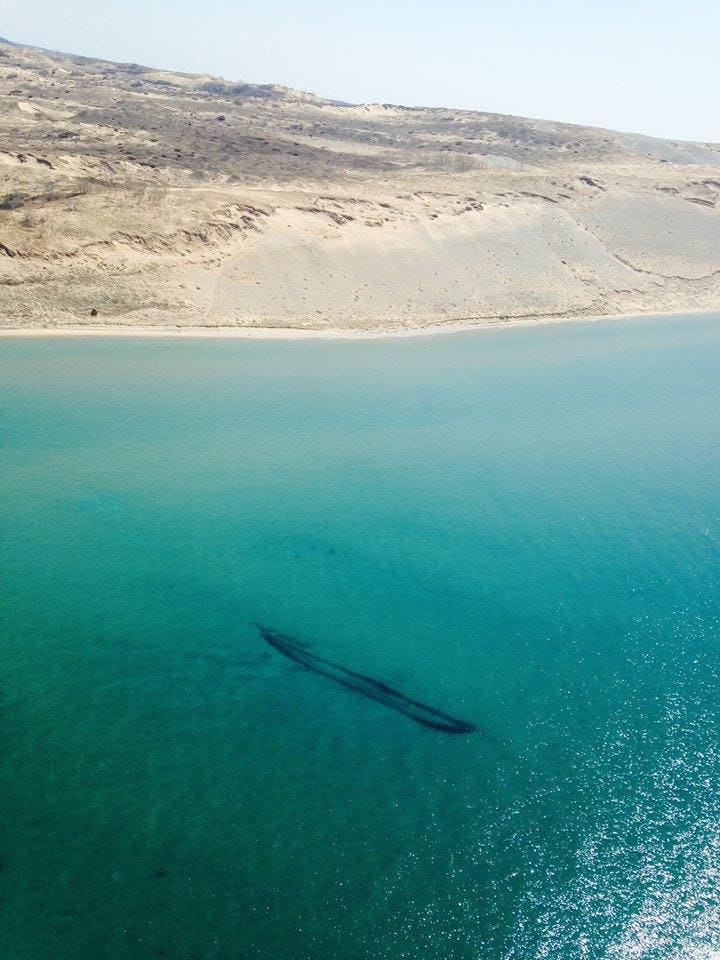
160 198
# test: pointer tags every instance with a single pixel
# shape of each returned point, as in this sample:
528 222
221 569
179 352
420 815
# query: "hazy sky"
643 65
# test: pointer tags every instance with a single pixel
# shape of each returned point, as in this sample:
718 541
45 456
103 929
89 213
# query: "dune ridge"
145 199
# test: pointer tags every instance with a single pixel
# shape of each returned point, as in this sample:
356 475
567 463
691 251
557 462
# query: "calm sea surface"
519 528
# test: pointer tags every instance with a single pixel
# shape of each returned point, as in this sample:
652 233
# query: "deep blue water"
521 528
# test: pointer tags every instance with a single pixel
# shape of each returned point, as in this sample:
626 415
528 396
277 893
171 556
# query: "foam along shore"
327 333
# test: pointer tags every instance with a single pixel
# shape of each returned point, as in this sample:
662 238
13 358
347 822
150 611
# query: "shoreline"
330 333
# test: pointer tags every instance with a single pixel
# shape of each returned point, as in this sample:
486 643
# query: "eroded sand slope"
134 196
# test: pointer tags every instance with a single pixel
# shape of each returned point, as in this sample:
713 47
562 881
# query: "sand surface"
134 198
390 331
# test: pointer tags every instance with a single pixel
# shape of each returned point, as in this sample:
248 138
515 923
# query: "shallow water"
520 528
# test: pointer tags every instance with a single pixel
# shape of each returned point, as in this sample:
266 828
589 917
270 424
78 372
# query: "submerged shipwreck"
366 686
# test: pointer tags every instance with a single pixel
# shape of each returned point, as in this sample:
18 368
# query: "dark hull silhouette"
367 686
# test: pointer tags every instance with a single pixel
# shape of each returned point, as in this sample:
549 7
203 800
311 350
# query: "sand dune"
147 198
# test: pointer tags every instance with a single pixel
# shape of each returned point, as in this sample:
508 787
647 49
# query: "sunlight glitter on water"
648 883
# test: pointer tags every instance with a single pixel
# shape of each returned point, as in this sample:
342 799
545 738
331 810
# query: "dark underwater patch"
366 686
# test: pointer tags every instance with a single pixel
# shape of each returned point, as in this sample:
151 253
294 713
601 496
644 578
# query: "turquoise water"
520 528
